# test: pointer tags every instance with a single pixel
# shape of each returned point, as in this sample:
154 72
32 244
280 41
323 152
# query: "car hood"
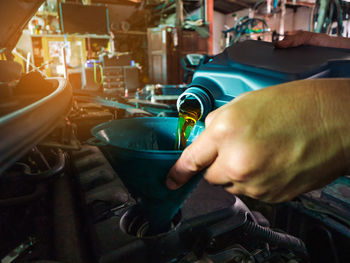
14 16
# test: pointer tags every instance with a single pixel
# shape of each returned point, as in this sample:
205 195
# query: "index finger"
196 157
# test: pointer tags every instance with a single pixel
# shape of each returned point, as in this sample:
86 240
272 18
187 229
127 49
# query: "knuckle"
209 177
213 177
221 130
210 180
257 193
209 118
240 170
246 163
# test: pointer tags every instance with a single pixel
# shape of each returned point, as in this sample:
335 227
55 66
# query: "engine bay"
62 201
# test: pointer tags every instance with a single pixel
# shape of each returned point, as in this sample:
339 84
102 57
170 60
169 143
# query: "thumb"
285 43
196 157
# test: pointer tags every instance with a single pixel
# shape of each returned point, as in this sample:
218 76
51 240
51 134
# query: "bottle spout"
201 96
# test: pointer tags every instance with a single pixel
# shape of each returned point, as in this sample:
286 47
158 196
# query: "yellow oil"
189 113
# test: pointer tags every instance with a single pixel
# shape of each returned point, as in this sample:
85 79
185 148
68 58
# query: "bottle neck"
203 98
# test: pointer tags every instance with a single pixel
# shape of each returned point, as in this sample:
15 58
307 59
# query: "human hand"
298 38
295 39
274 143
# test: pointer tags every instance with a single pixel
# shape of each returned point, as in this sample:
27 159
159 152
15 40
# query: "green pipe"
329 19
321 15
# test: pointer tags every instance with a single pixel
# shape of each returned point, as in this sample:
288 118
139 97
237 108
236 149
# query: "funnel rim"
169 152
95 132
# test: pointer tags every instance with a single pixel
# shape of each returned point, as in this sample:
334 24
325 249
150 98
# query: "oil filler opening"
134 222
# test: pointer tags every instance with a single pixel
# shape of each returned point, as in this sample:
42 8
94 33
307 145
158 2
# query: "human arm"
274 143
298 38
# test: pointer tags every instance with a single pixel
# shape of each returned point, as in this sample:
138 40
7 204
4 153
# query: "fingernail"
171 184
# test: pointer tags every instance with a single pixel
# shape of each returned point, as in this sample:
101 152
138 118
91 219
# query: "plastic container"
141 152
253 65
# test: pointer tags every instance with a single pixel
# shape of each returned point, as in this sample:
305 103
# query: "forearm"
324 40
299 38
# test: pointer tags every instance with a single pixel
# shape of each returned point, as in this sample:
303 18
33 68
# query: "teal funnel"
141 152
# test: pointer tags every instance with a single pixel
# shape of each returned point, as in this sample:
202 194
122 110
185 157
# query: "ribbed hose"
279 239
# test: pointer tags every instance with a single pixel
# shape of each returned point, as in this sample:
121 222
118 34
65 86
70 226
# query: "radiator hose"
275 238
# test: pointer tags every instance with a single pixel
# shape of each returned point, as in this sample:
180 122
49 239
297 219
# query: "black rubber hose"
40 188
275 238
52 172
